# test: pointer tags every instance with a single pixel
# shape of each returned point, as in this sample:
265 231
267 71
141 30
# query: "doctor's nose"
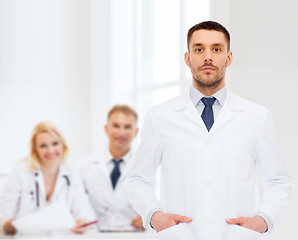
208 56
208 61
121 131
50 149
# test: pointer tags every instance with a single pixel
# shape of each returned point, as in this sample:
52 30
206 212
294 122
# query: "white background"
60 61
264 38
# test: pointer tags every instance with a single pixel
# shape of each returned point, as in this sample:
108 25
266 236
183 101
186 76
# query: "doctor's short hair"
124 109
45 127
208 25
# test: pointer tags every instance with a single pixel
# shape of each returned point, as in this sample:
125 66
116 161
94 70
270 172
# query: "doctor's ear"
137 131
106 129
187 58
229 59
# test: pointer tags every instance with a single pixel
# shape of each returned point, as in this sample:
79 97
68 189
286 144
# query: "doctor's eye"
217 50
199 50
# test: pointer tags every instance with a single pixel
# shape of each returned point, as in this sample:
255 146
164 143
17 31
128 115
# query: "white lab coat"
209 176
111 206
19 196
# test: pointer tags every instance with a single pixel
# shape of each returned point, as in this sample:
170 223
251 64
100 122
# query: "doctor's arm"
277 183
9 197
141 183
80 205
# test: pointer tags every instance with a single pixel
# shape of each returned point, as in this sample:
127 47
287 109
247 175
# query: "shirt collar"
196 95
125 158
63 171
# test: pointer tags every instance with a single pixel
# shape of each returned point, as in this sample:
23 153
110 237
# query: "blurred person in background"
42 179
104 172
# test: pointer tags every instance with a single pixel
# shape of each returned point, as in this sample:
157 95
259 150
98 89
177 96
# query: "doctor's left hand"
77 229
137 223
255 223
161 221
9 228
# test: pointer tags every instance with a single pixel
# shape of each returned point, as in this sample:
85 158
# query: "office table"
88 235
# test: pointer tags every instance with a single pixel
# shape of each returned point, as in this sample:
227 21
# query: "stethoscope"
37 188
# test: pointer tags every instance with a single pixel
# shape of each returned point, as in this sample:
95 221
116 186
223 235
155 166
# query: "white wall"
264 43
52 68
100 60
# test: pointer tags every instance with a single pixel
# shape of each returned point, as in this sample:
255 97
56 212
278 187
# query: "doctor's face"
49 148
121 129
208 58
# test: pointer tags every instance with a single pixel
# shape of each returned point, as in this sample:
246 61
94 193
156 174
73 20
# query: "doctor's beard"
206 80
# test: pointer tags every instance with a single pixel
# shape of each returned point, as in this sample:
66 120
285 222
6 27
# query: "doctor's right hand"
78 229
9 228
161 221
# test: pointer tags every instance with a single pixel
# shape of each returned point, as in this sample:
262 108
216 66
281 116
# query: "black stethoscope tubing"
37 187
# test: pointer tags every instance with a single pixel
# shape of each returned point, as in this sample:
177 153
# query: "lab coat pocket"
177 232
242 233
236 159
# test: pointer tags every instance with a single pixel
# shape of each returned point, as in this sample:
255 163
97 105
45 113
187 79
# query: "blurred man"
104 173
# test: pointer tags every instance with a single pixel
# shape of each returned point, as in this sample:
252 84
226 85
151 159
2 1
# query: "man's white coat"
209 176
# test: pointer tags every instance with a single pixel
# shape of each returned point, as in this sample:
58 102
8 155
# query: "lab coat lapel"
128 160
40 184
102 173
103 170
227 113
186 105
61 180
103 165
192 113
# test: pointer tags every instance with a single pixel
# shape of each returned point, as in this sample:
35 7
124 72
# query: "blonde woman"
42 179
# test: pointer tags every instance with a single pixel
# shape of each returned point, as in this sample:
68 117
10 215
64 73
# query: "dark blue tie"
115 174
207 114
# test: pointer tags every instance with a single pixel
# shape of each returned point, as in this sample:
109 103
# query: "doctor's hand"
161 221
9 228
77 229
256 223
137 222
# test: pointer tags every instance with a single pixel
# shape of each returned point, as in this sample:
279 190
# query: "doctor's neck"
118 153
51 170
208 89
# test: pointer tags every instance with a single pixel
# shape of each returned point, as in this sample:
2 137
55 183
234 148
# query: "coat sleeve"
10 196
80 205
97 192
141 182
277 183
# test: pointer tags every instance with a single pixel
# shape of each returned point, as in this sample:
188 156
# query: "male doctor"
104 173
210 144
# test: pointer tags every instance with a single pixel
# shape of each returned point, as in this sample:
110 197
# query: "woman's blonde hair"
45 127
